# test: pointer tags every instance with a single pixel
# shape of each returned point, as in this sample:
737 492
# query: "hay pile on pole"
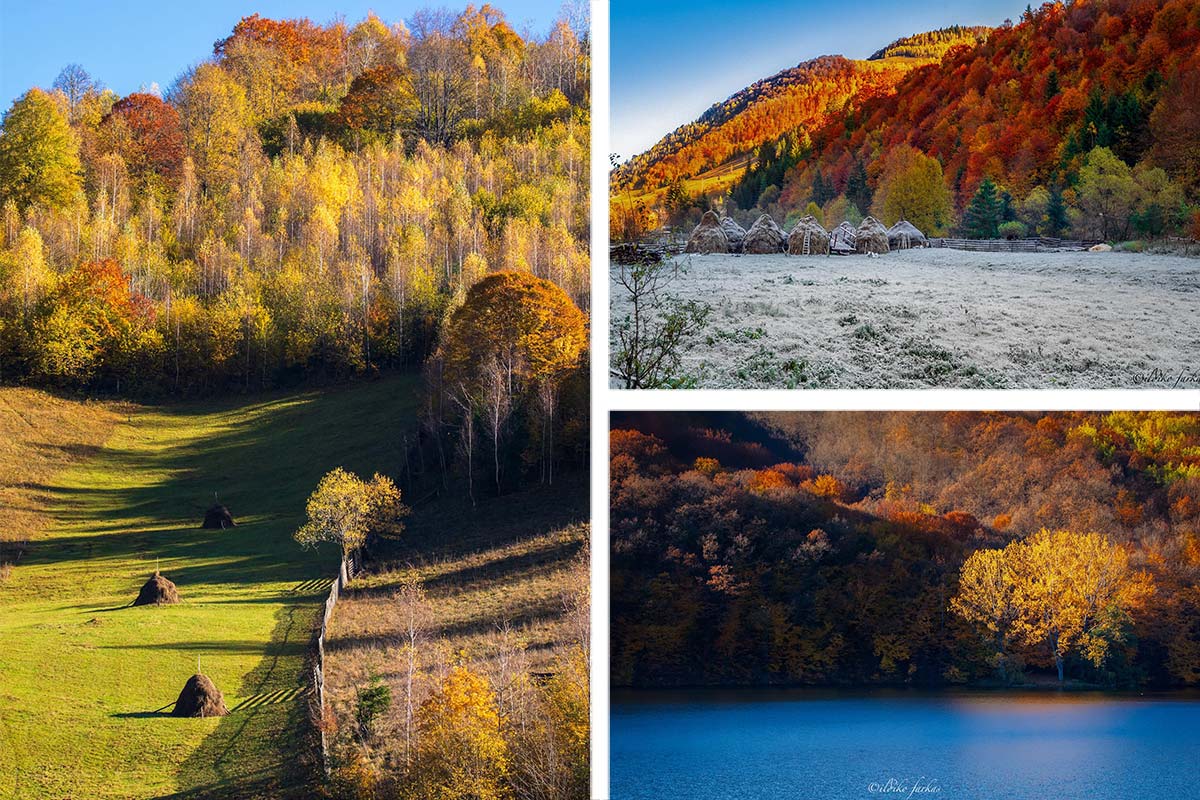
708 236
158 591
218 517
735 233
765 236
200 698
871 237
808 238
905 236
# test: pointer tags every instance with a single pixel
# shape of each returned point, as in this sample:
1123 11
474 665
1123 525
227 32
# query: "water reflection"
795 744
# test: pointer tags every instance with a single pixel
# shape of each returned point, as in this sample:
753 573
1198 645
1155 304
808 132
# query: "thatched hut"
871 237
735 233
808 238
765 236
200 698
841 239
708 236
905 236
158 591
218 517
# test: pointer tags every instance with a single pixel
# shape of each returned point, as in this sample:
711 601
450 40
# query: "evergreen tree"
1052 87
1056 213
1007 211
858 191
983 215
822 192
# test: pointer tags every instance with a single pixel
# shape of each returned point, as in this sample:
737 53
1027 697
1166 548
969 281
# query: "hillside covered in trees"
792 101
1079 118
311 201
905 548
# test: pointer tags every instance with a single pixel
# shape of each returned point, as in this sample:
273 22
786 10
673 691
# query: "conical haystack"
905 236
841 239
218 516
735 233
871 237
808 238
158 591
200 698
765 236
708 236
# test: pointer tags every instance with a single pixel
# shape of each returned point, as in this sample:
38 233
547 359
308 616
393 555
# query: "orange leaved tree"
503 359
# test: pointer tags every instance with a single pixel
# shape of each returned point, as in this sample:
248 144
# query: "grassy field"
110 491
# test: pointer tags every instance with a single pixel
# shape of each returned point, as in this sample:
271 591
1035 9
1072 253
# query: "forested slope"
860 562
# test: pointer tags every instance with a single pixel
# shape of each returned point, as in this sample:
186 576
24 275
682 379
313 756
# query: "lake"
746 745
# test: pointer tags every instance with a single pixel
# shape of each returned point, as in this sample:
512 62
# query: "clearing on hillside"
87 681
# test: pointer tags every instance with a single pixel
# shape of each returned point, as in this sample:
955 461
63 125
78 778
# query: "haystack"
808 238
200 698
708 236
218 516
158 591
905 236
764 236
735 233
841 239
871 237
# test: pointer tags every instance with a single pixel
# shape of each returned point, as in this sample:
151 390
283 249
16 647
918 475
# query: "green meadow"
86 680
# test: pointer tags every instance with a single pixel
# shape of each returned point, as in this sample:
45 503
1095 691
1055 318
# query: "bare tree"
414 615
76 85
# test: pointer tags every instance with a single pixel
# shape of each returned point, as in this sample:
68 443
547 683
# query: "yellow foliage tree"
1068 591
344 509
461 754
912 187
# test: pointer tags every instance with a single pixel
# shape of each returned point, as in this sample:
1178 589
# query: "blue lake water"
779 745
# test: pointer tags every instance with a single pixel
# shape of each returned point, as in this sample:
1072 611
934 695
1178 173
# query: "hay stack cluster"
158 591
765 236
708 237
735 233
871 237
808 238
724 235
200 698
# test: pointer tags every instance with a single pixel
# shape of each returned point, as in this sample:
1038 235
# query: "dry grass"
505 591
41 436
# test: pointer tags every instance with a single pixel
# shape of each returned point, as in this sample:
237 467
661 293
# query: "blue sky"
140 42
670 60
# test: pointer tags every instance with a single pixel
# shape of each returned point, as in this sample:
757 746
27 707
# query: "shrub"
1013 230
371 702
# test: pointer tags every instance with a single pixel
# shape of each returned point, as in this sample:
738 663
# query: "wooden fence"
1039 245
350 566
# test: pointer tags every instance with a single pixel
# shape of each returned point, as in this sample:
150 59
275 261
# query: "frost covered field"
924 318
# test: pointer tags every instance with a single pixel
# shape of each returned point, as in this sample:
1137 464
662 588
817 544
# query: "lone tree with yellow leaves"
345 509
1068 592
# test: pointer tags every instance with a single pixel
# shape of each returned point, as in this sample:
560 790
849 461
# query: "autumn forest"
309 202
920 549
